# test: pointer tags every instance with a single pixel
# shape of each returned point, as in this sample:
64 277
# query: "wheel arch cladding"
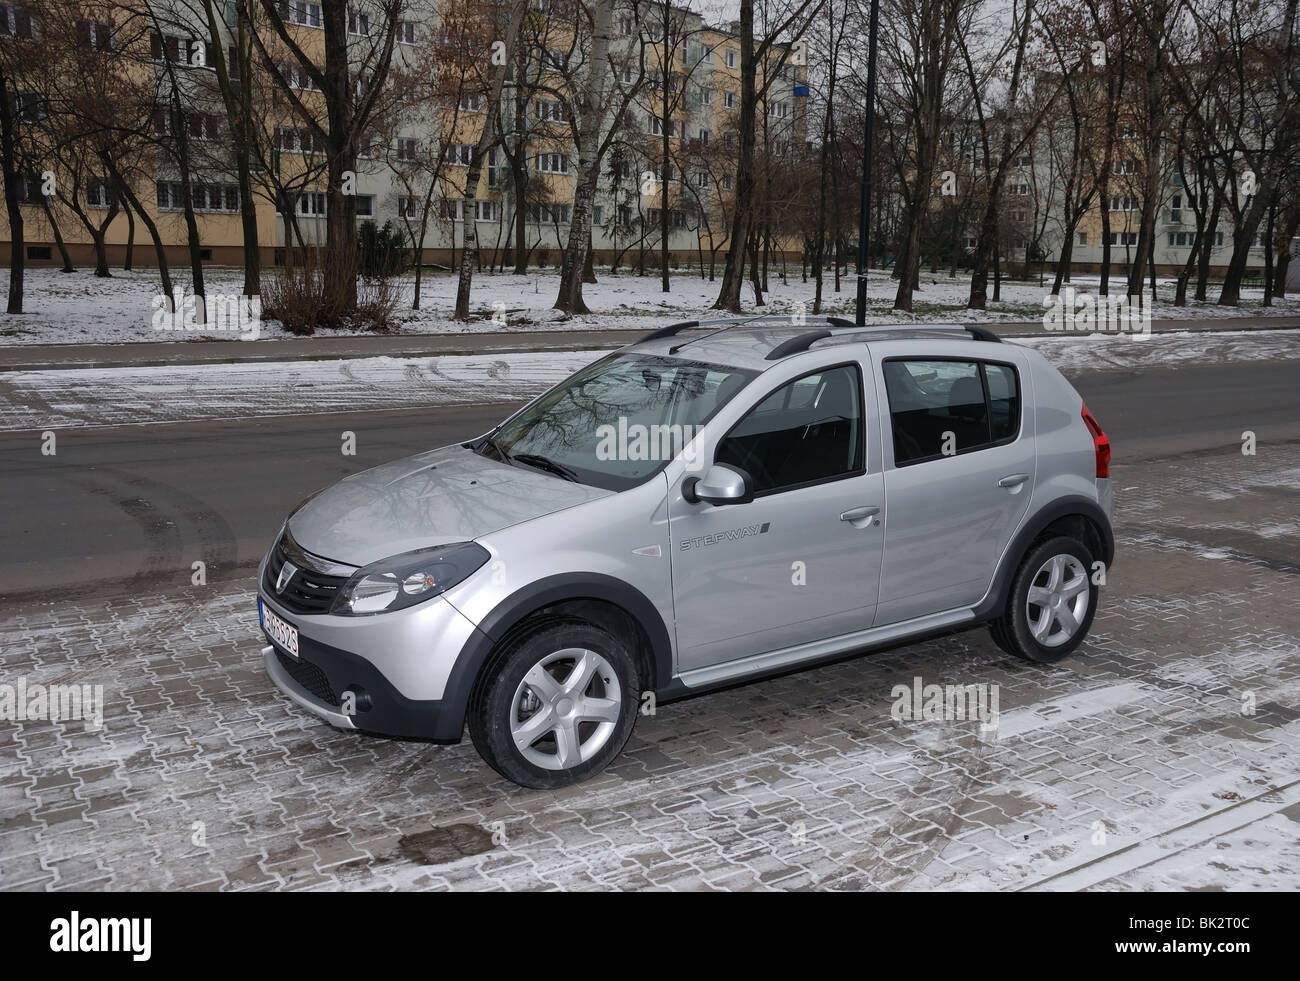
603 600
1075 517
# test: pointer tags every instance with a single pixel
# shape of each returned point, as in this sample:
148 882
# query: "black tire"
1013 630
998 632
494 704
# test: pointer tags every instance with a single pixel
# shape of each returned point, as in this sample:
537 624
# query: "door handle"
1013 480
858 514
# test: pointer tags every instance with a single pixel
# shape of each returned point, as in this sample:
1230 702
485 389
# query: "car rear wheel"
1052 603
557 706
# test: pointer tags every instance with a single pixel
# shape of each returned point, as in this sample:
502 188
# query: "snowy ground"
77 308
1133 765
115 396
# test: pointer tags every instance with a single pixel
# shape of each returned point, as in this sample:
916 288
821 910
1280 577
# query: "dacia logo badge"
287 572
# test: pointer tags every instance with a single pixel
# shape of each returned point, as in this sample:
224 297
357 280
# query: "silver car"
716 502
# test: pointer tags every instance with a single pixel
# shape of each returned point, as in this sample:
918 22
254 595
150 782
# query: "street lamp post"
863 232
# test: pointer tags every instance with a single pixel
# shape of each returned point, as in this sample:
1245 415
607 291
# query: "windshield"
617 421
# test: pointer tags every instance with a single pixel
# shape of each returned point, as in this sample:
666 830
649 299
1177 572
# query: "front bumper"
395 658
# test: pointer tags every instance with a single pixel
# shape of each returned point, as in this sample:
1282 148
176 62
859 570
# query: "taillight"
1099 442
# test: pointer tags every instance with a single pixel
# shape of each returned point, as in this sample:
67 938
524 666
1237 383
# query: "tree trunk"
160 250
58 235
469 249
576 264
733 272
12 175
130 236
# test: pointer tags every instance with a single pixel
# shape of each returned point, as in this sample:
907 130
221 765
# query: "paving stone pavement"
1165 754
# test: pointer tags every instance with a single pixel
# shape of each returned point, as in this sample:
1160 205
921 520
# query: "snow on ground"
77 308
1073 353
119 396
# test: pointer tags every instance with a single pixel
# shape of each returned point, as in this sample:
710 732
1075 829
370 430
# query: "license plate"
280 631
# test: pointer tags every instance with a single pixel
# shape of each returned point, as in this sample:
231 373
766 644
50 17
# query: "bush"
320 293
382 251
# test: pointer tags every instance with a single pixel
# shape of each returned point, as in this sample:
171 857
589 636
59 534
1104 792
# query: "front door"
801 561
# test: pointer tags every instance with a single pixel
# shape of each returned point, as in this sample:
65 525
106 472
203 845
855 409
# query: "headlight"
404 580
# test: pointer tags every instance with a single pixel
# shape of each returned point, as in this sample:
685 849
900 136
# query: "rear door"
959 473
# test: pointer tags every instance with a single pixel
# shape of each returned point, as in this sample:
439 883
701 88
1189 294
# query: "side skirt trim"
717 674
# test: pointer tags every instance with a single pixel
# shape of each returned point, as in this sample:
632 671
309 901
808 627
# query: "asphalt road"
129 509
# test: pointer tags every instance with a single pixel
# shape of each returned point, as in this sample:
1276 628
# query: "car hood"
445 495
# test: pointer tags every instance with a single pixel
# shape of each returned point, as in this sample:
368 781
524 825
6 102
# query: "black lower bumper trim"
389 712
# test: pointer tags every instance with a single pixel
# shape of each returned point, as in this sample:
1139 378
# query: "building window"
729 100
1176 209
487 210
779 109
293 140
541 213
299 12
406 32
312 205
597 214
1123 238
472 102
458 154
407 146
551 111
733 59
204 197
552 163
1083 238
728 182
408 207
29 107
97 194
297 77
93 34
358 23
657 126
365 205
15 21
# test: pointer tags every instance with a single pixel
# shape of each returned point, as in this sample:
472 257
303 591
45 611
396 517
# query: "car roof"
759 343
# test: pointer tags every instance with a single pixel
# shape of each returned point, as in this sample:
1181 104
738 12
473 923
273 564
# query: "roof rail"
718 323
978 333
794 345
669 331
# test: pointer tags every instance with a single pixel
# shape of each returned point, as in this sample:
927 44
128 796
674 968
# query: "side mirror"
721 484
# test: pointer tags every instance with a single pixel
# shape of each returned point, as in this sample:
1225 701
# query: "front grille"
309 677
308 591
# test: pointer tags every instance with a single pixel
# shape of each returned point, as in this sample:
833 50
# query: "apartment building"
412 163
1033 223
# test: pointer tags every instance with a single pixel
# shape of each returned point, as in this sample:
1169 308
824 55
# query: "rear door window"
945 407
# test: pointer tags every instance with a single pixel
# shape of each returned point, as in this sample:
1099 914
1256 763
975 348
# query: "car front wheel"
557 706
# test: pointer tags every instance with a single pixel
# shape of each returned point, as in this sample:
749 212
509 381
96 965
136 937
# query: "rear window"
946 407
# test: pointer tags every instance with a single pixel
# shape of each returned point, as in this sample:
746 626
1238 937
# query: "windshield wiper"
491 443
547 464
